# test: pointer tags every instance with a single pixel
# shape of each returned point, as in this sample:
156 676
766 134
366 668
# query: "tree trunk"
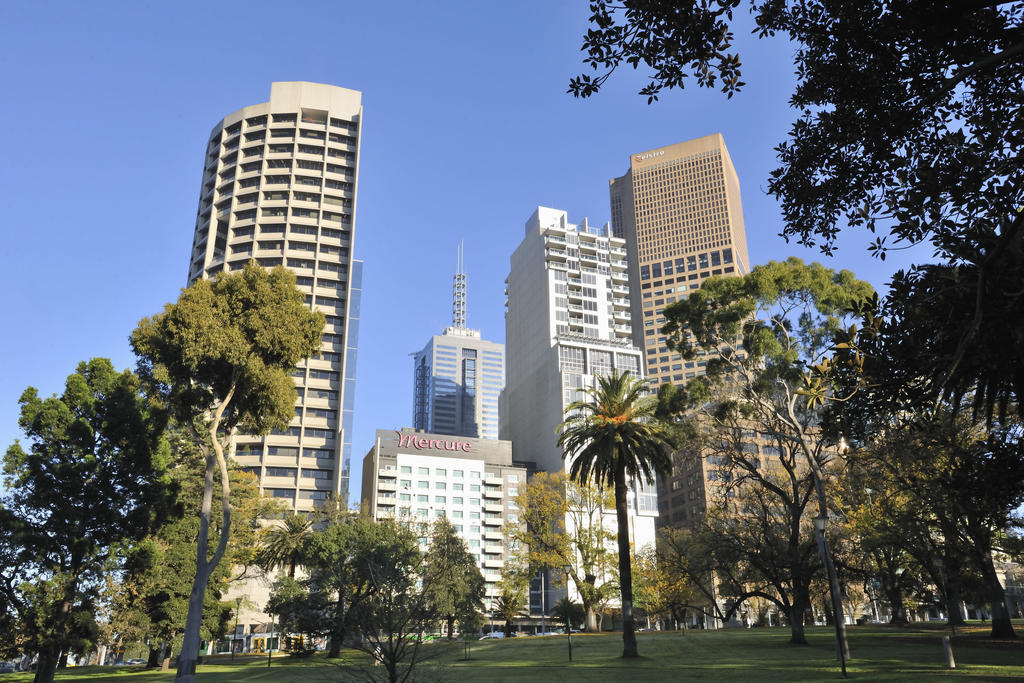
629 648
190 646
451 626
591 625
46 666
1001 625
796 625
953 598
338 630
894 596
153 658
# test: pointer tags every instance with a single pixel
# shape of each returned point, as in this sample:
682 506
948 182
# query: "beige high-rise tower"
679 210
279 186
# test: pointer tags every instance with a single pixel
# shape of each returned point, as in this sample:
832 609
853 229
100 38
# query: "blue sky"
467 128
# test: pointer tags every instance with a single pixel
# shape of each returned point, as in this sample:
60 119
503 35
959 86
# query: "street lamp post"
833 583
270 640
234 634
568 618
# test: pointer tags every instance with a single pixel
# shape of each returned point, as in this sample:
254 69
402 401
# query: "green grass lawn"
879 653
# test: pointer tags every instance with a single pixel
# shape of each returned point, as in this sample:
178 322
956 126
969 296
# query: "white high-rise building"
567 321
279 186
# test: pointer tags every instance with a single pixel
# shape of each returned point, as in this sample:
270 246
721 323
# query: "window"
423 498
440 486
423 484
440 499
405 469
456 500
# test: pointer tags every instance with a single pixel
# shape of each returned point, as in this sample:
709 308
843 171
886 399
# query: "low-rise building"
419 477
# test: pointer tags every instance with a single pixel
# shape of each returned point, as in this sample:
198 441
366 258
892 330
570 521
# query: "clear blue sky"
467 128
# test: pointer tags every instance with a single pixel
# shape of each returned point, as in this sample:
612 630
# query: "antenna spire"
459 294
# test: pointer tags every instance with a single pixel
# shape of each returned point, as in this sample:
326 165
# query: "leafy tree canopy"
909 121
93 477
219 358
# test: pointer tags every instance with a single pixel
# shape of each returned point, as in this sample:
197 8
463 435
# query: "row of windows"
292 471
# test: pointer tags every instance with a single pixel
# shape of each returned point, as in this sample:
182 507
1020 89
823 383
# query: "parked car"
493 635
135 662
8 668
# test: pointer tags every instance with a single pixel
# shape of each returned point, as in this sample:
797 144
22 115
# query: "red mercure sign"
420 442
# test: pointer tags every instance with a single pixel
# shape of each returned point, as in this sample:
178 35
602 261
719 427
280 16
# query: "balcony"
494 564
387 485
492 492
493 521
555 254
493 536
494 508
493 481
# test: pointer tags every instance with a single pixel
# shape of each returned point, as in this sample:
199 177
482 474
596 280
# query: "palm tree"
613 438
509 605
281 545
568 611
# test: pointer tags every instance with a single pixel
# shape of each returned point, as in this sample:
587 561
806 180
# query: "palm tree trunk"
625 569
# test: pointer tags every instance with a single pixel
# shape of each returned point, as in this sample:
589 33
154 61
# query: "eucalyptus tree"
775 343
219 358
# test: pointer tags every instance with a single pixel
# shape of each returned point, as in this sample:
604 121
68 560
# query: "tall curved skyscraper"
279 186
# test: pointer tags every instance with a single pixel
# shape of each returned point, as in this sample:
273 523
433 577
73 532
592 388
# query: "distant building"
420 477
678 209
458 377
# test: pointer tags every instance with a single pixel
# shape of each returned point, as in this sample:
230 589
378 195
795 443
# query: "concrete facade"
567 321
679 210
279 186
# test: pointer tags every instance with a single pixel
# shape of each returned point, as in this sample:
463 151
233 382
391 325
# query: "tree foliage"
613 439
150 601
562 524
776 343
452 579
910 117
219 359
510 604
951 489
63 502
282 545
91 479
